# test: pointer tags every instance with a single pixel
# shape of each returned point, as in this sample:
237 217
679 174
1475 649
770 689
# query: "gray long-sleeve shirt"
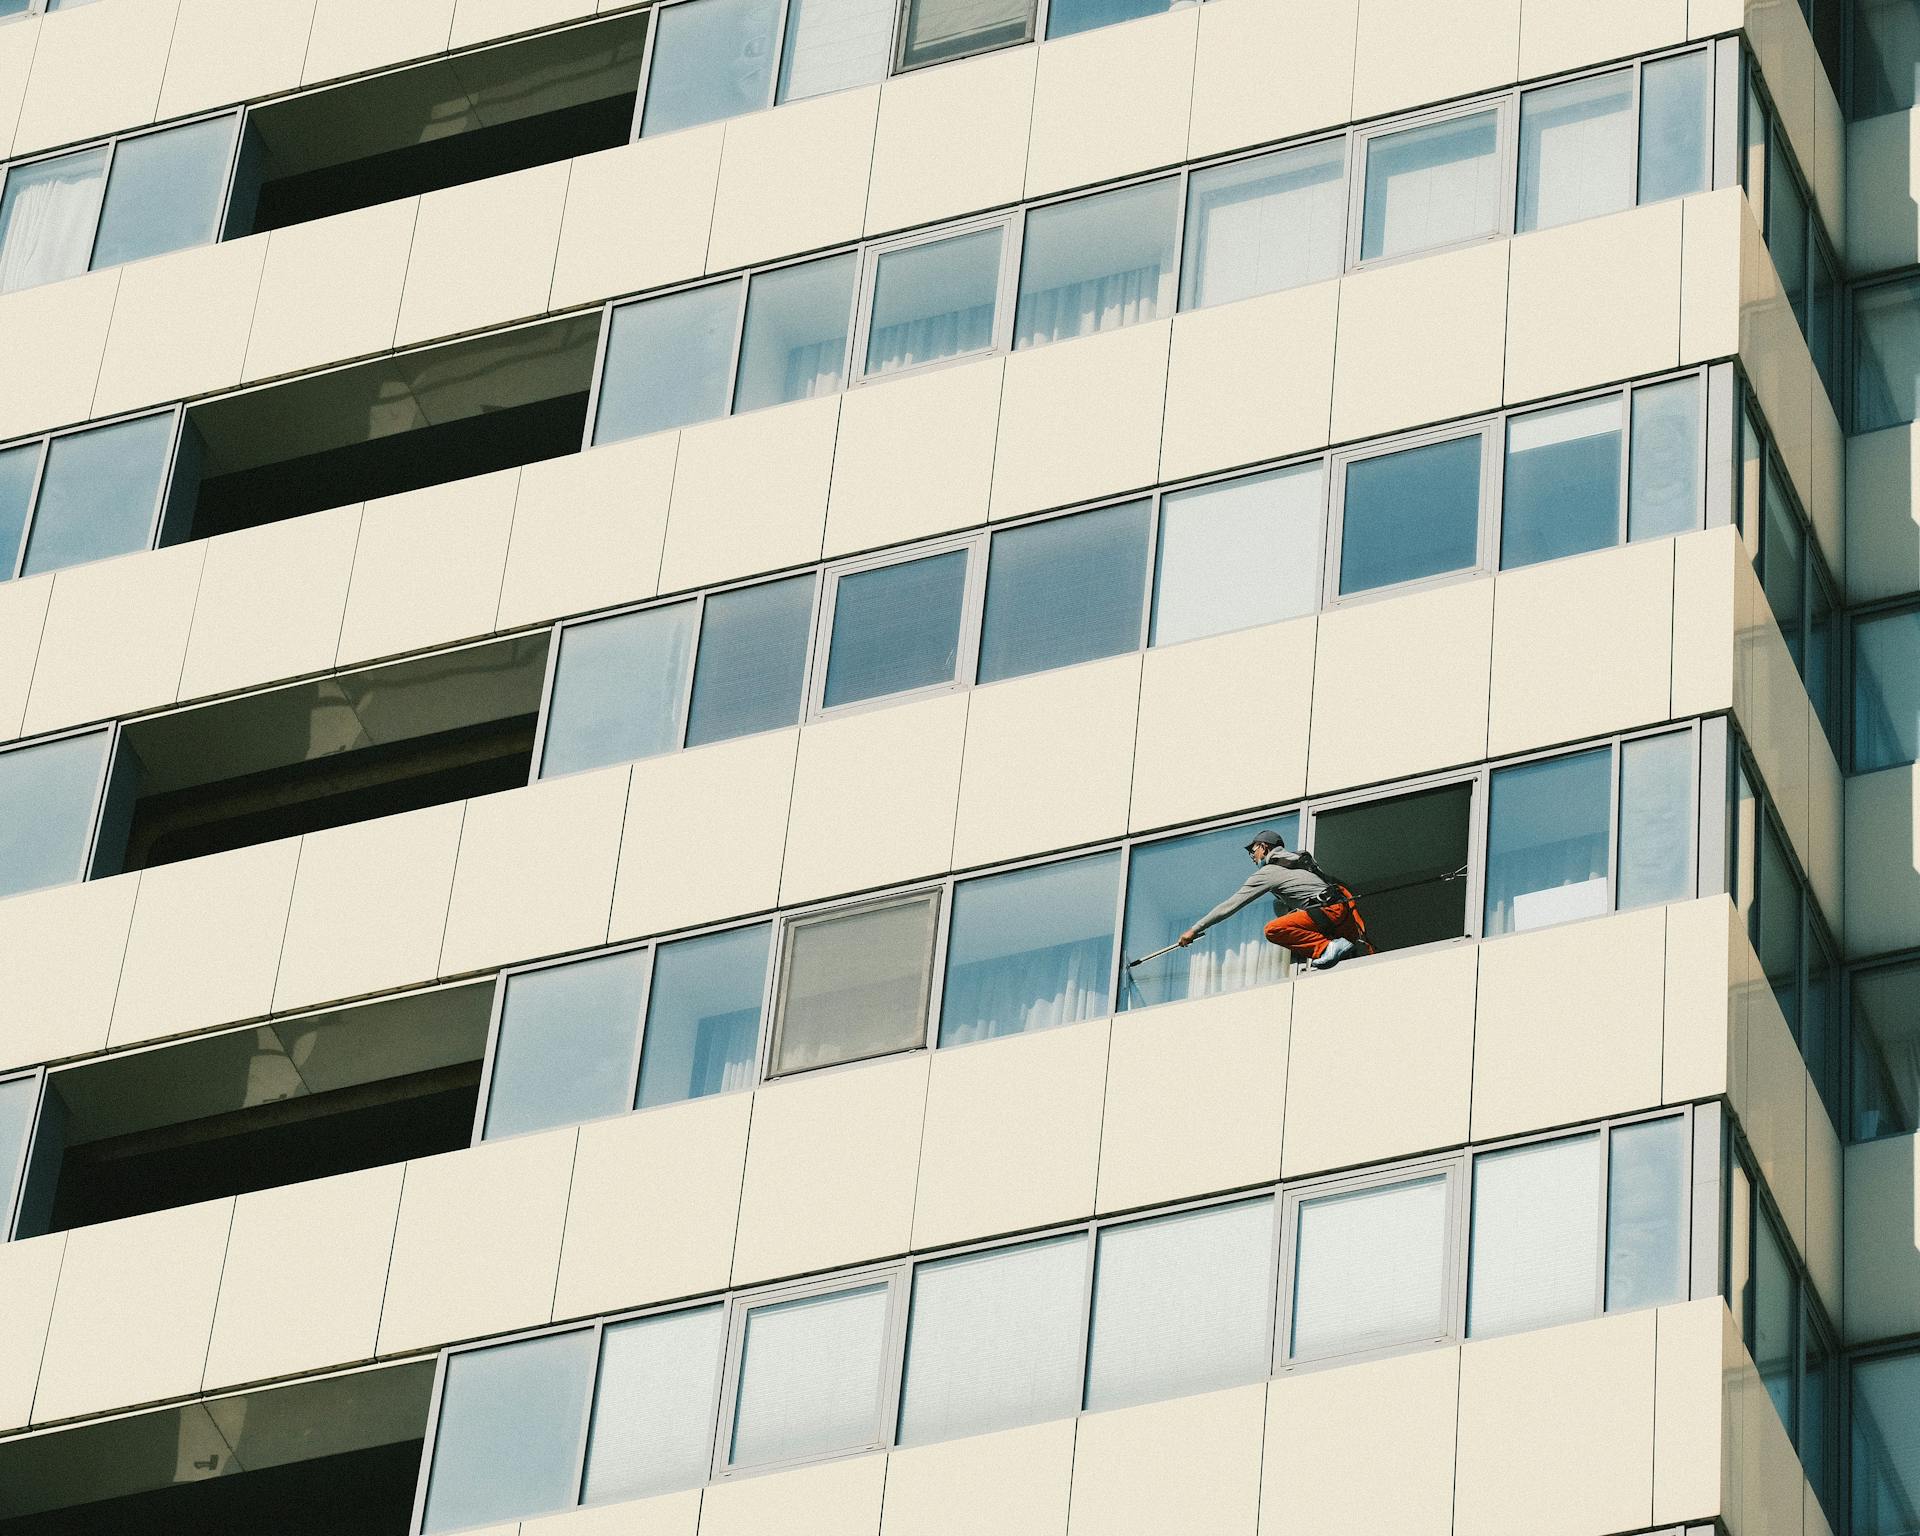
1288 877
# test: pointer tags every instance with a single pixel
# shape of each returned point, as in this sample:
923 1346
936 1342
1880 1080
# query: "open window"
439 123
1405 856
299 1098
321 754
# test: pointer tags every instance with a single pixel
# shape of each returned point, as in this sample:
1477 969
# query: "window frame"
13 1202
1491 430
109 758
967 641
1012 227
1850 619
1505 106
1179 177
163 497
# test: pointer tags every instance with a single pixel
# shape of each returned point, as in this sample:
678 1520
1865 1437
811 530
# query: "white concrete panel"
483 254
98 68
1112 101
353 35
53 338
793 179
331 288
29 1270
1265 72
180 325
637 216
1191 1464
233 50
951 140
1409 53
63 947
23 614
1015 1483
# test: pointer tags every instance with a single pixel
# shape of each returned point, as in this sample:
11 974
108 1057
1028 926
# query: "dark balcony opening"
326 753
1413 843
439 124
299 1098
331 1456
379 428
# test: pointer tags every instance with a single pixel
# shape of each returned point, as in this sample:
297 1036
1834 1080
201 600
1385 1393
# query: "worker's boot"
1336 951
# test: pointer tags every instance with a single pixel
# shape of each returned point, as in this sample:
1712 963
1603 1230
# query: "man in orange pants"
1316 918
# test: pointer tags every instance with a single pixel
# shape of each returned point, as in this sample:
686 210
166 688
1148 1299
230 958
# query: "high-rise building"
631 636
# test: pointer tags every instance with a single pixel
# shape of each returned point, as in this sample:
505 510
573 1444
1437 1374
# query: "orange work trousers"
1297 932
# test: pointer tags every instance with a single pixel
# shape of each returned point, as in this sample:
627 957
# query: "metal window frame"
966 640
1039 14
1845 978
1192 171
1009 222
13 1200
1178 178
1505 108
45 440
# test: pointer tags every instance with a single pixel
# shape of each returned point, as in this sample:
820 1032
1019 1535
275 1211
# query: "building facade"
629 633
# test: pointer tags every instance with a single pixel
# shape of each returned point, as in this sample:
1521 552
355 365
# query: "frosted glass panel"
711 59
667 362
1535 1254
18 1096
833 45
751 670
810 1377
18 469
796 335
1256 226
1576 150
896 628
100 493
653 1405
950 29
1370 1268
1647 1214
46 810
166 191
1663 477
854 984
1656 819
567 1037
1411 514
1432 186
617 689
1239 553
1673 126
934 300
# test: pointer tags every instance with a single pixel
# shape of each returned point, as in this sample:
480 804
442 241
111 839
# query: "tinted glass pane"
1432 186
1787 231
896 628
1030 949
1097 263
1547 841
1256 226
1755 130
711 59
617 689
653 1405
835 44
1663 476
667 362
1535 1254
1886 63
17 1099
1886 355
99 493
47 215
166 192
1885 1465
810 1376
1816 1426
1886 690
994 1340
567 1037
18 466
1169 885
1775 1303
1647 1214
796 338
1562 490
1673 126
46 810
1065 17
1066 590
510 1420
752 664
1886 1051
1783 566
1576 150
947 29
1370 1268
703 1016
1411 514
1778 938
934 300
1181 1304
1656 820
854 984
1239 553
1823 321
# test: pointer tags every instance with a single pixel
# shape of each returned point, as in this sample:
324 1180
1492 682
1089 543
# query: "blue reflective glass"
896 628
934 300
1030 949
100 493
1547 841
752 662
617 689
1561 495
566 1044
703 1016
667 362
1885 1464
711 59
18 466
46 810
165 192
1411 514
1066 590
1066 17
1886 690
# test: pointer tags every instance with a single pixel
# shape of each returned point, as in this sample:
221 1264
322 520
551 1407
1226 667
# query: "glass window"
1673 126
1411 514
1370 1268
1820 1020
994 1340
854 983
1821 673
1886 71
18 1096
100 493
810 1376
1755 128
509 1433
1238 553
1066 590
751 670
1816 1428
1097 263
1886 355
1885 1465
1656 819
711 59
1886 690
1547 841
835 44
47 215
1647 1214
1783 566
1778 935
1663 475
18 469
1169 885
1886 1052
667 361
1775 1303
796 335
1432 186
703 1016
1030 949
653 1405
896 628
1787 230
565 1047
1256 226
47 792
618 689
1535 1249
165 192
949 29
1576 150
1181 1304
1739 1256
1066 17
1561 495
934 300
1823 320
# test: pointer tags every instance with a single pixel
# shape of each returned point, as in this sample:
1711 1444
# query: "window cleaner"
1316 917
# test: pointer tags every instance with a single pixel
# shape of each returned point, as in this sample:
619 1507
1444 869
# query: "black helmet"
1265 839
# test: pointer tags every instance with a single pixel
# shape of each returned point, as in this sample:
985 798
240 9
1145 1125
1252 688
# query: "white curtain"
813 368
929 337
1015 994
1093 304
47 219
